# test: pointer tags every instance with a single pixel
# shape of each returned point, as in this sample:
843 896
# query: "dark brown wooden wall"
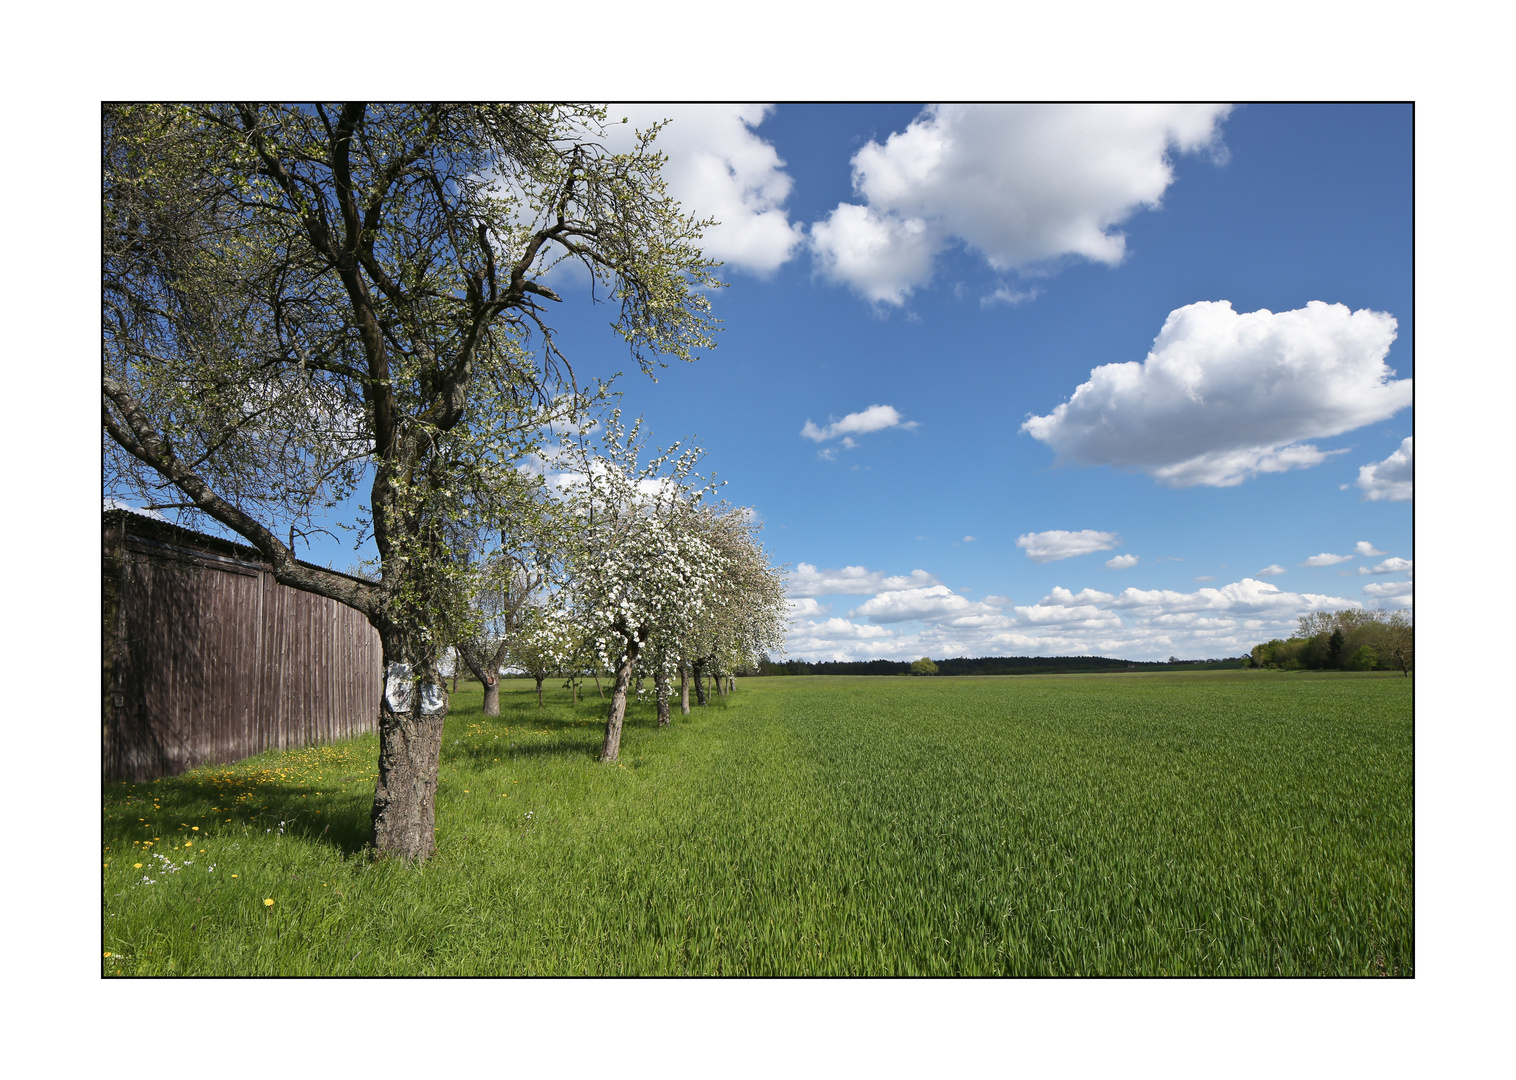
213 660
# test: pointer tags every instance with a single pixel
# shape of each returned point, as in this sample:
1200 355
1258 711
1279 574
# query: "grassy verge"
1225 823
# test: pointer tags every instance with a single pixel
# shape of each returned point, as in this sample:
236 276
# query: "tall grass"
1194 824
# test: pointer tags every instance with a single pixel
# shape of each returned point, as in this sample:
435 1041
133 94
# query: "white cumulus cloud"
719 167
1248 595
874 418
806 580
934 602
1223 396
1020 185
843 628
807 607
1389 566
1271 570
1366 549
1058 544
1390 590
1063 596
1086 617
1389 479
1121 562
1326 558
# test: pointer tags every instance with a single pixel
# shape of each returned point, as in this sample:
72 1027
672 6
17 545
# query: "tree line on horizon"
990 665
1349 640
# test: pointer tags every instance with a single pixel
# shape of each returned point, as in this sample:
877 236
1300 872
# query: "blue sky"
914 293
1229 465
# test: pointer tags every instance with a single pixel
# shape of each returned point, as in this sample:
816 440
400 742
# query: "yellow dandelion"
107 955
268 903
195 827
234 875
136 866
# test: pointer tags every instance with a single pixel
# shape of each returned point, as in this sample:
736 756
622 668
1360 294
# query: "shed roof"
152 526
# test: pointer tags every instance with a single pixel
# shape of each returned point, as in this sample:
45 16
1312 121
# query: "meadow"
1210 823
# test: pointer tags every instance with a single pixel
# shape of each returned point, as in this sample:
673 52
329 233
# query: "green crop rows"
1190 824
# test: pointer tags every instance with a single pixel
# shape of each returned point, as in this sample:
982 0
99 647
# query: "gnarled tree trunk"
612 748
684 688
487 670
699 682
661 691
411 715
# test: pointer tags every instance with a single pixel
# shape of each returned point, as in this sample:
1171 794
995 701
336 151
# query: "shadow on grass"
572 729
339 812
183 802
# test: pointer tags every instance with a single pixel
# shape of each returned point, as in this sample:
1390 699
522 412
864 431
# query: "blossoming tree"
745 607
640 567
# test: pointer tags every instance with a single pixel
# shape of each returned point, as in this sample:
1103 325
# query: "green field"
1227 823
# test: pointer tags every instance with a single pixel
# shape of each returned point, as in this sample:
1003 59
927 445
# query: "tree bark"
410 747
612 748
661 688
684 689
699 682
539 693
487 671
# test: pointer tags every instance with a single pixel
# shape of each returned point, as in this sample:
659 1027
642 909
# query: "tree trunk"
596 672
613 721
539 691
487 672
661 687
699 682
491 680
684 689
410 745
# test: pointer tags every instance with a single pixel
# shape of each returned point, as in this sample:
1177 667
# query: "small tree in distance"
924 666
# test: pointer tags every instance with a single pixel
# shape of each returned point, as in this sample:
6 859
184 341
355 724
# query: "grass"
1188 824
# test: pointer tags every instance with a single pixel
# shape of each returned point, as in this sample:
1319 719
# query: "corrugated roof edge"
179 532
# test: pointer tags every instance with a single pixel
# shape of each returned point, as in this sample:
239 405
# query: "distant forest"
995 665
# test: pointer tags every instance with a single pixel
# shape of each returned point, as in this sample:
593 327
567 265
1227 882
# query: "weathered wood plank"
214 661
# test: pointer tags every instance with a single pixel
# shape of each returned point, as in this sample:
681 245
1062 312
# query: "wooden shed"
208 659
